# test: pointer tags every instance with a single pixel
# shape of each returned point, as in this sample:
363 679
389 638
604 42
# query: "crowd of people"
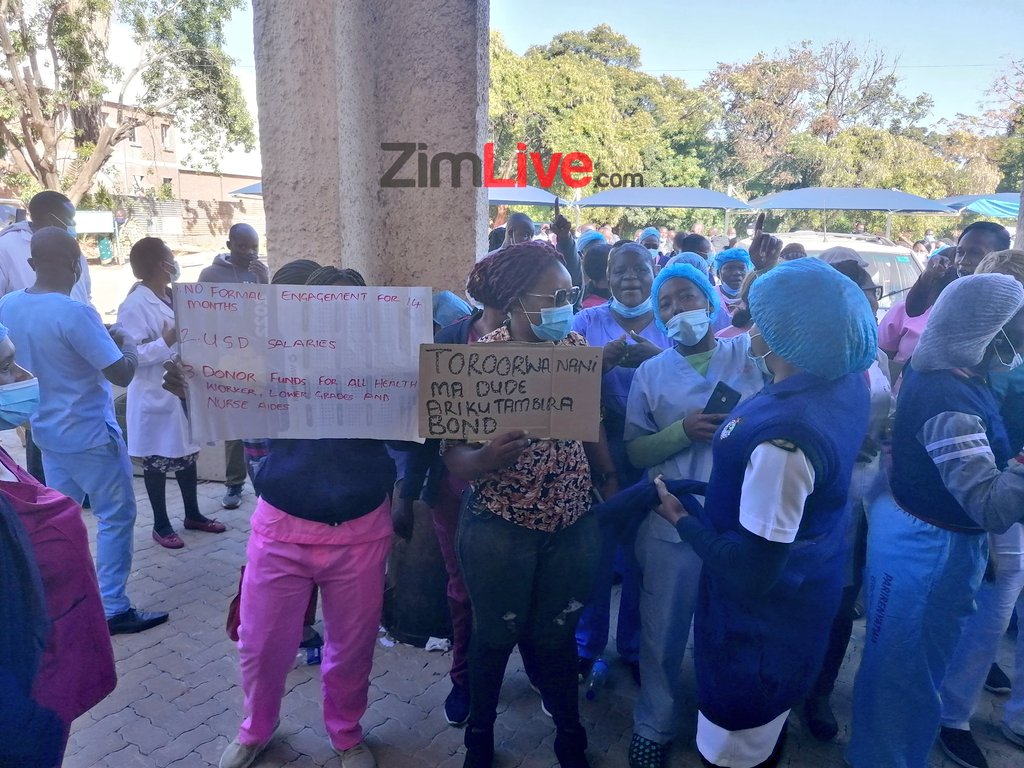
766 469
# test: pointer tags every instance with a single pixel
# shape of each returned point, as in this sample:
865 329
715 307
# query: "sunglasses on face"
561 296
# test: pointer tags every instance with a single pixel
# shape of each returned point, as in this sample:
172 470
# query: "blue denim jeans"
104 474
526 587
920 582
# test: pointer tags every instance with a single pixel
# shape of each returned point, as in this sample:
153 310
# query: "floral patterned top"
548 487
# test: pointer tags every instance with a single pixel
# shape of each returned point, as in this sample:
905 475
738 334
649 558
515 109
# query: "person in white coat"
157 427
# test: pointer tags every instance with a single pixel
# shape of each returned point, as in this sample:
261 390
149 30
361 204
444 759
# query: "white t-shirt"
775 486
15 272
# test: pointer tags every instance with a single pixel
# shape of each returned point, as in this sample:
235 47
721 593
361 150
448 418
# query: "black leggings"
156 484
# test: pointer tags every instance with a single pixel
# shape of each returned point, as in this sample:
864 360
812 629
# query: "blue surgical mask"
1014 362
629 313
18 401
730 292
654 254
688 328
175 272
555 323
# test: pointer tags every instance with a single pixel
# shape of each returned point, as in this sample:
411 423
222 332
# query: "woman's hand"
175 377
614 353
170 335
502 451
700 427
764 248
670 507
642 350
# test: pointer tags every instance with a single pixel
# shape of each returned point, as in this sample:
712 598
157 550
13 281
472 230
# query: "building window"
168 181
140 181
165 136
134 137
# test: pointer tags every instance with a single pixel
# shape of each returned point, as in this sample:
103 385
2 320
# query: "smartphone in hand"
723 399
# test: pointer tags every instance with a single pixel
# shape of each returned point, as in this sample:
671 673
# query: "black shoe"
571 747
456 706
997 681
133 621
644 753
479 748
584 669
961 748
311 638
820 719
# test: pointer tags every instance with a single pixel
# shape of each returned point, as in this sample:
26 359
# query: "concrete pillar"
335 80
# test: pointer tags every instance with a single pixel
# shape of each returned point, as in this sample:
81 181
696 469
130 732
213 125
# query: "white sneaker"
358 756
239 755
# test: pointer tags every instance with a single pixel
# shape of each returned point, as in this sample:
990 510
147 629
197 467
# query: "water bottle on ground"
597 678
307 657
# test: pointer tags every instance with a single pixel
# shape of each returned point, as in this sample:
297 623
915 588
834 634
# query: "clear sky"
950 49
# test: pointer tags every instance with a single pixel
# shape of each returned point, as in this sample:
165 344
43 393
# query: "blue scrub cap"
687 272
449 308
733 254
815 318
650 232
3 331
588 238
695 260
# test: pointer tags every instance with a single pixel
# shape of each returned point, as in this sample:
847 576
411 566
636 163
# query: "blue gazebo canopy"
663 197
999 205
849 199
253 190
522 196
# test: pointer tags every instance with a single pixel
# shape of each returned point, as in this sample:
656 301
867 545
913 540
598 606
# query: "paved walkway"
178 703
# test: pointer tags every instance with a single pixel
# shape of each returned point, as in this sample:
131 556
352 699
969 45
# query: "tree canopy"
57 71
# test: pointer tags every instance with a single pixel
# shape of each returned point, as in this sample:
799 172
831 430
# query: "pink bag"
77 668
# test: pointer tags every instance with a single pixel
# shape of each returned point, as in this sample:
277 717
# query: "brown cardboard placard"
479 391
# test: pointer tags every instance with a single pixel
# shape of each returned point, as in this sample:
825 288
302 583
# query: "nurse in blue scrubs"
772 536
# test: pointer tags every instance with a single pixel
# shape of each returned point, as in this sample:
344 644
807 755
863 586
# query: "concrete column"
335 80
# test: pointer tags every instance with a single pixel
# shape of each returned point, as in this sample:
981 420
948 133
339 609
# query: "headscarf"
589 238
967 316
815 318
449 308
842 253
687 272
650 232
733 254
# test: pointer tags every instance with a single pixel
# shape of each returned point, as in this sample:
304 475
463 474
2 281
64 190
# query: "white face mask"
175 272
688 328
1002 365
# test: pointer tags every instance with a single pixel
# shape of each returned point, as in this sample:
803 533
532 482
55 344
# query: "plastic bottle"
308 656
597 678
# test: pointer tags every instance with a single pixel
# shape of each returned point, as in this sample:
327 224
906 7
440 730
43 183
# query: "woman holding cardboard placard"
527 546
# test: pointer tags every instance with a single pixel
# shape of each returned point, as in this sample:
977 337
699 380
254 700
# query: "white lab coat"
15 272
156 421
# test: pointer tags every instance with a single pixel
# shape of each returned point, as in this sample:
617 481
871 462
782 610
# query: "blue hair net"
733 254
687 272
588 238
650 232
448 308
3 331
815 318
695 260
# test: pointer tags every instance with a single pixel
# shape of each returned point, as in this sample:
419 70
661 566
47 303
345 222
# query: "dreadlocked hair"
333 276
295 272
501 278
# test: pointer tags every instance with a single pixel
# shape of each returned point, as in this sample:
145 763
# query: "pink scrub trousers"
286 557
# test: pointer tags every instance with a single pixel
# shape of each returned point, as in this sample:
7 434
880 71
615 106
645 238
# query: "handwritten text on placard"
478 391
301 361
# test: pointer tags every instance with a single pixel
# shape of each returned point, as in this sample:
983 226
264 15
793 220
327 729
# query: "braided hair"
330 275
503 277
295 272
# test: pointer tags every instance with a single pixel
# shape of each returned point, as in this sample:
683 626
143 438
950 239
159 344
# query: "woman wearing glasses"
625 327
527 546
668 432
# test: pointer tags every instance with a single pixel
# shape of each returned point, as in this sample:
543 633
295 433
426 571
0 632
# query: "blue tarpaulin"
849 199
663 197
253 190
998 205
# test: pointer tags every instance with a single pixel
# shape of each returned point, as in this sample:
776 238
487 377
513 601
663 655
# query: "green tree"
56 73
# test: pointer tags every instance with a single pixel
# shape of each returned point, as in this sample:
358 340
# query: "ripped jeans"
526 587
